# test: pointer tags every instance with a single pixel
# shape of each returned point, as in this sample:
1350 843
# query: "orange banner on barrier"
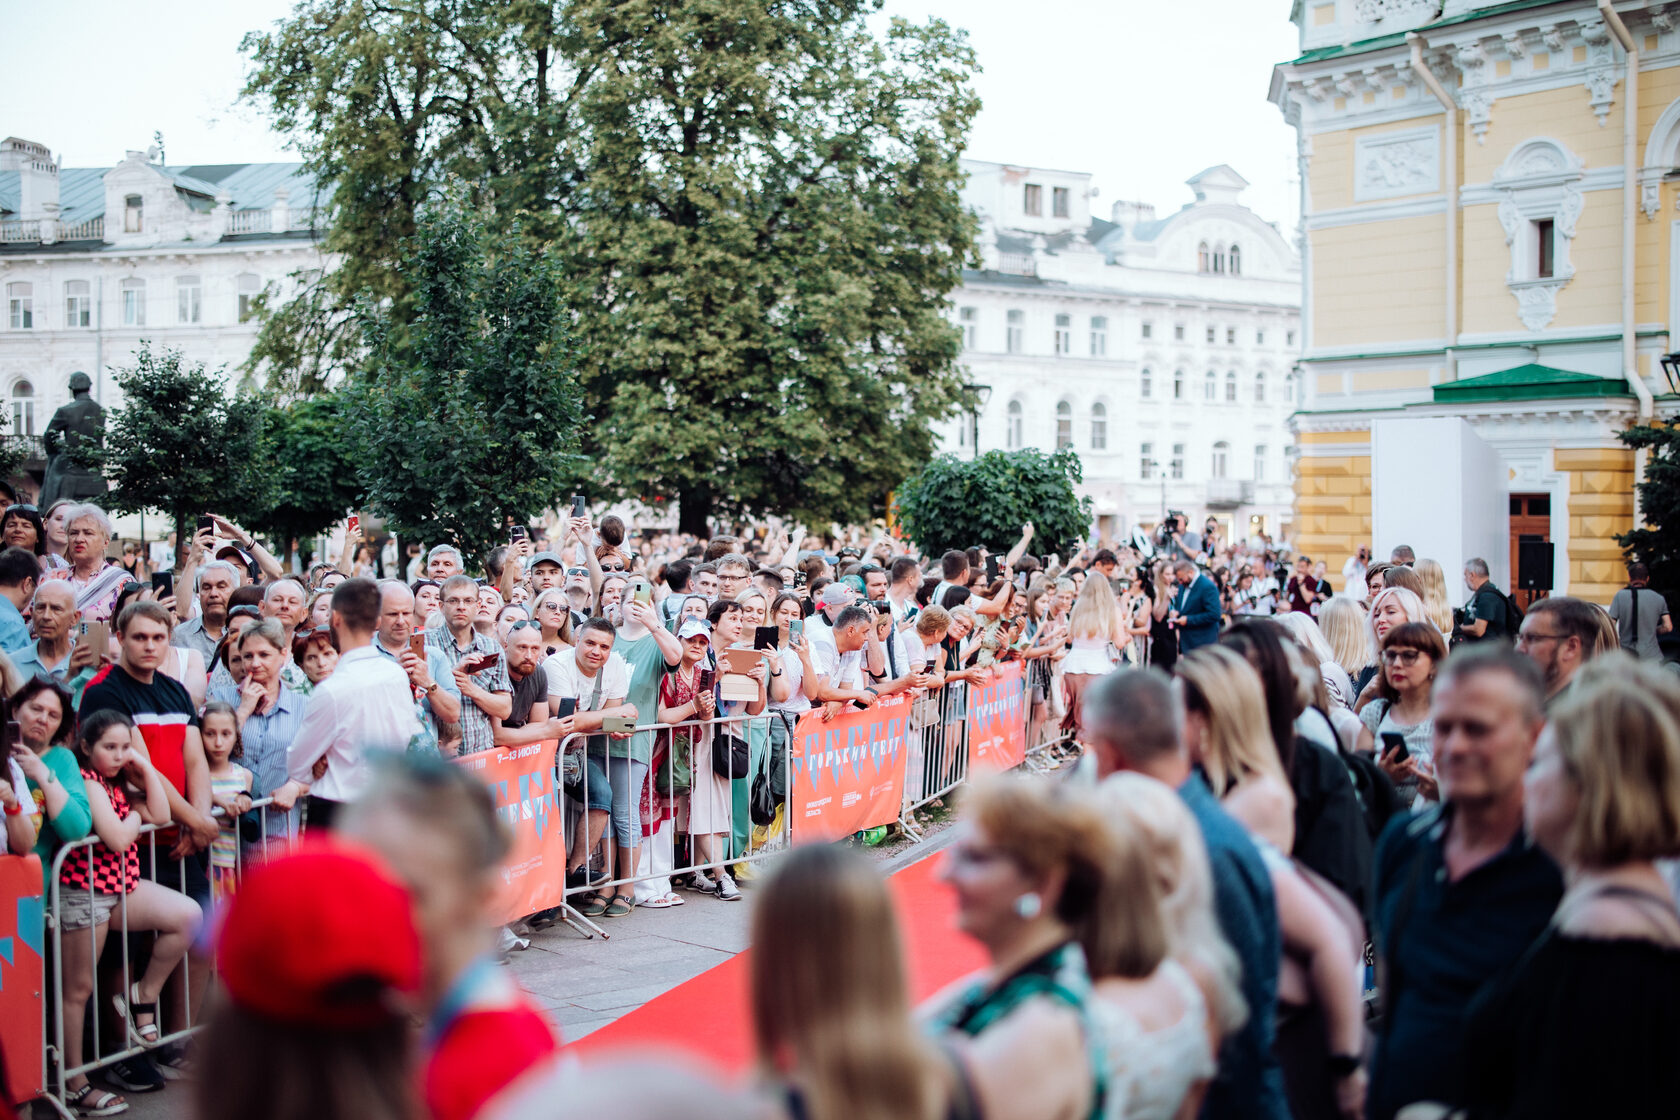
848 772
997 720
22 974
522 783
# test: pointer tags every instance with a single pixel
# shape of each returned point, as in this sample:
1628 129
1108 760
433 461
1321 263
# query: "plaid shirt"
476 731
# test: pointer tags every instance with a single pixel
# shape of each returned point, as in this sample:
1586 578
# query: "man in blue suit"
1195 609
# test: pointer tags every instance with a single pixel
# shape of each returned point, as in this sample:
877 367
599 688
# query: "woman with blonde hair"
1435 601
1163 1031
1342 625
830 1000
1395 606
1029 871
1098 631
1226 733
1588 1023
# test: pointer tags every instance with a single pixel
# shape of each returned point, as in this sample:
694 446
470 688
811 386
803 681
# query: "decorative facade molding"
1395 164
1474 98
1377 212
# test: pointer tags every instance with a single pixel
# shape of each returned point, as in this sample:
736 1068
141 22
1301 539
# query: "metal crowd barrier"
938 754
176 1001
662 810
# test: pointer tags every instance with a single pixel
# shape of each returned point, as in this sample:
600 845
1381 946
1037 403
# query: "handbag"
762 802
731 757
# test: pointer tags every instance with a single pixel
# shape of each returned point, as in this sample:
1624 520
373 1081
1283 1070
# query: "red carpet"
709 1017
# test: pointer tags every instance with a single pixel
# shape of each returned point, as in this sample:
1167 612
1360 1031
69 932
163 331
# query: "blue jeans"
594 784
627 776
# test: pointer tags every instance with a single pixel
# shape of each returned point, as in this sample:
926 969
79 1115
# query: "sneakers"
726 888
172 1062
508 942
135 1075
699 882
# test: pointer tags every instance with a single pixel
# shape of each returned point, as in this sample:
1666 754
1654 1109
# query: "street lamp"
978 395
1671 370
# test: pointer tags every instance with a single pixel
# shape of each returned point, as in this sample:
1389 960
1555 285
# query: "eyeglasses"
245 611
580 571
21 507
1527 637
457 601
1402 656
522 624
612 567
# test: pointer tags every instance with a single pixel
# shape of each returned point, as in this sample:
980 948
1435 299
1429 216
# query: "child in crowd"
97 878
230 789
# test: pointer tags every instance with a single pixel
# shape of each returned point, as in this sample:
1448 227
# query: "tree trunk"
694 509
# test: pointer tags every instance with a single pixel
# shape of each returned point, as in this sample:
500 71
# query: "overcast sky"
1142 93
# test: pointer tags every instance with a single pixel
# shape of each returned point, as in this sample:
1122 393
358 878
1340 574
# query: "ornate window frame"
1539 181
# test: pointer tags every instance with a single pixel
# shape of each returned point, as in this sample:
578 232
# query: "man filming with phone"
476 659
437 698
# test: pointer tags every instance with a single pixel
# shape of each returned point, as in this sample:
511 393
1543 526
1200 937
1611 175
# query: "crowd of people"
1304 866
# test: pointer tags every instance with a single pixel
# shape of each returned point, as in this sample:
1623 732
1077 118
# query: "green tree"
316 477
754 204
1657 542
958 503
181 445
471 415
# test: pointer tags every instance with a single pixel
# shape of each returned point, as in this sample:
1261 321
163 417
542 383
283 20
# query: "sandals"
103 1102
663 901
621 905
597 906
145 1035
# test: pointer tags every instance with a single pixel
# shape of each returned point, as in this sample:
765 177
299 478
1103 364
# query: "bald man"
55 619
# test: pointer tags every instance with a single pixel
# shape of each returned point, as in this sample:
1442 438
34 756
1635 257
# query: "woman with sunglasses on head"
552 612
1412 653
315 652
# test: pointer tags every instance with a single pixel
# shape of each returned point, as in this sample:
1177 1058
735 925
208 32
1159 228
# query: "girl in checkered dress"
100 876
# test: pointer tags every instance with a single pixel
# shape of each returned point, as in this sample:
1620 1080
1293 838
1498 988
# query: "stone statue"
70 474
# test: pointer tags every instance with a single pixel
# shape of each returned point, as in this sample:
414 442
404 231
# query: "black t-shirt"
526 693
1489 603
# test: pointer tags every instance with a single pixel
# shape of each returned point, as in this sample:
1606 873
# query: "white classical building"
1160 348
94 260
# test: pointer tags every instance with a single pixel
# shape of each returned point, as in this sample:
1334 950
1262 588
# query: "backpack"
1513 616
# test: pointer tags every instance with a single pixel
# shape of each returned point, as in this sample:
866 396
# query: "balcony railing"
91 230
1017 264
20 231
1229 493
250 221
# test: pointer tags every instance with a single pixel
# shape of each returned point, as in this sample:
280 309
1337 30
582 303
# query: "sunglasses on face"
579 571
1401 656
612 567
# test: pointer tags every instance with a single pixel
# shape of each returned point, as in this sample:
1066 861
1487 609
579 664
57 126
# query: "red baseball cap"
322 937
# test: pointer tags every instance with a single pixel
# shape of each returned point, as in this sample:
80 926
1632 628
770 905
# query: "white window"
1146 384
1230 336
1219 259
1236 261
1204 259
1259 462
1259 338
1178 384
1221 458
1149 330
23 409
1099 427
1146 461
1058 202
133 213
1032 200
1210 387
1017 329
20 303
1289 339
1212 333
250 287
188 297
1064 425
78 304
1178 332
1177 469
962 433
1099 336
1064 334
1260 387
1231 387
1012 429
133 303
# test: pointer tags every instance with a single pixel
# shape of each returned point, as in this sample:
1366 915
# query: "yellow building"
1490 239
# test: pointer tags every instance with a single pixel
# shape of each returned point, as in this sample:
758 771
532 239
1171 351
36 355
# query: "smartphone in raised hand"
163 584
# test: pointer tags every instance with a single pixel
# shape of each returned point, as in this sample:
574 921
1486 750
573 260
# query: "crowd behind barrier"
857 771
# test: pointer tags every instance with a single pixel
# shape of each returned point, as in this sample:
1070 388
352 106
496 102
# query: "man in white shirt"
837 662
1264 590
1354 572
905 577
365 706
586 685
